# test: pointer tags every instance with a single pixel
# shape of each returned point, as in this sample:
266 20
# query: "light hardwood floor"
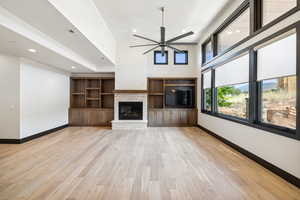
159 163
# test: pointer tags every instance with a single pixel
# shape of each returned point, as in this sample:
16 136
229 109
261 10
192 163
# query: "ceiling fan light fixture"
163 43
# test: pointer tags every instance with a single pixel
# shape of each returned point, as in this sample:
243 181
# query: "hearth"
130 110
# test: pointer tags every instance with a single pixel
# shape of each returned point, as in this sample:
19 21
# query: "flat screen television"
180 97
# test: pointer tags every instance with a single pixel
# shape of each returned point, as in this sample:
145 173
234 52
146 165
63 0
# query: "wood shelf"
92 88
89 92
156 94
158 113
78 93
107 93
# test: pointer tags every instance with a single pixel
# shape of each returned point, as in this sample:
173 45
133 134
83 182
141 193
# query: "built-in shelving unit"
92 92
91 101
159 113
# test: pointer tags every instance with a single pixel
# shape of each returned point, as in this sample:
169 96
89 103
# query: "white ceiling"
14 44
44 17
123 16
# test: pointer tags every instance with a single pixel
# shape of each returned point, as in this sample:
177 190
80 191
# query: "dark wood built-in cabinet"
91 101
164 112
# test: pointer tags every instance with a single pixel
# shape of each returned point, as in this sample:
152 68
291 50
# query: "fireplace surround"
131 110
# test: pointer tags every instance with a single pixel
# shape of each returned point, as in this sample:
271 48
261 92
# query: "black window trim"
203 47
154 58
186 56
255 26
254 89
258 9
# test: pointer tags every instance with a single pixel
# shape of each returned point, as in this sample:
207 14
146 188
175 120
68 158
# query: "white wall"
44 98
281 151
130 70
133 68
172 70
9 97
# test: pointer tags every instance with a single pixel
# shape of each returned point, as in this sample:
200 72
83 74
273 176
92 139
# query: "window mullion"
213 92
202 93
214 43
253 88
298 81
255 15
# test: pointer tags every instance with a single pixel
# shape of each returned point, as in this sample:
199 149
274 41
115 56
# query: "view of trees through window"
233 100
279 101
207 99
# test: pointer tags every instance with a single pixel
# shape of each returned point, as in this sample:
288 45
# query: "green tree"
225 93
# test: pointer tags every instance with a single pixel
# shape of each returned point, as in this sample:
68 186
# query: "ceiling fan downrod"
163 43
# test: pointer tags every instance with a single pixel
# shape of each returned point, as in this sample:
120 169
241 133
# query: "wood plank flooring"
156 164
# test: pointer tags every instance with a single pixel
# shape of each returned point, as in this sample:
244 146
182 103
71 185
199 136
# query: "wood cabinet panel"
90 117
172 117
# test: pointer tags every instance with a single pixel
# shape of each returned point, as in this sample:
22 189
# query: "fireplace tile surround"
118 124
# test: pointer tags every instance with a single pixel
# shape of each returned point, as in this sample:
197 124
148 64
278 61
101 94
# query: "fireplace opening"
130 110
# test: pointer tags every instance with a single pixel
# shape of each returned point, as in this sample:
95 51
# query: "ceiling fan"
163 43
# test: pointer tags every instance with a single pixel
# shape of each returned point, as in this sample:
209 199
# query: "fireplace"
130 110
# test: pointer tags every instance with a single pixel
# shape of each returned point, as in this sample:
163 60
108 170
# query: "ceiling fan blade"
183 43
151 49
163 34
142 45
180 36
142 37
175 49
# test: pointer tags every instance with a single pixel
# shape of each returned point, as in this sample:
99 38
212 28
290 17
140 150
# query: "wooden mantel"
130 91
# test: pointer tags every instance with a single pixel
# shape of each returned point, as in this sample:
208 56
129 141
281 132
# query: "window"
234 32
207 92
232 87
159 59
272 9
181 58
276 66
233 100
278 99
207 52
207 99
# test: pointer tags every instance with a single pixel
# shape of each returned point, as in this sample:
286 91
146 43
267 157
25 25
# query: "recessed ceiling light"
229 32
32 50
238 31
71 31
73 67
183 31
134 31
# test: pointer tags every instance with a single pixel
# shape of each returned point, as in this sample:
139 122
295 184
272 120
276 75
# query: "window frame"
256 26
232 116
236 14
255 89
212 81
258 9
186 52
154 58
203 47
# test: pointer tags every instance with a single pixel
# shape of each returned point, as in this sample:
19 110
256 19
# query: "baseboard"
20 141
276 170
9 141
